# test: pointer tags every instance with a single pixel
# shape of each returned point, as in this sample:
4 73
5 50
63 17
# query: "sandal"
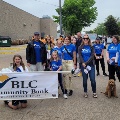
94 95
85 95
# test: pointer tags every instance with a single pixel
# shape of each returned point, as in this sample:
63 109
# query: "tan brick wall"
49 27
17 23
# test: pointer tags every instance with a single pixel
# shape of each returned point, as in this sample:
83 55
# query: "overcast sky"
47 7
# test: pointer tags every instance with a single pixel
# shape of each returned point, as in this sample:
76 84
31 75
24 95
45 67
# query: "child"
55 65
18 66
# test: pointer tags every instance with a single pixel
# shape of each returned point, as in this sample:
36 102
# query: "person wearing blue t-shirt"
36 54
86 55
117 62
69 62
57 48
56 65
99 56
111 55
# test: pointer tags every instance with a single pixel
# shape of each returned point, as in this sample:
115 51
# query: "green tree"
112 26
77 14
89 32
100 29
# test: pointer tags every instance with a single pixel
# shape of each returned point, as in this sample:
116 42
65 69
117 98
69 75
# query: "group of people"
66 55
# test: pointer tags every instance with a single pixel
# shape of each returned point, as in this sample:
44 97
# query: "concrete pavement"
76 107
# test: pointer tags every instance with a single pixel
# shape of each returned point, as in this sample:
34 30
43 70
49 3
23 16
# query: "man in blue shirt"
36 54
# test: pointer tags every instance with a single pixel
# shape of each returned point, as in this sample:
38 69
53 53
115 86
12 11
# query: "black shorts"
16 102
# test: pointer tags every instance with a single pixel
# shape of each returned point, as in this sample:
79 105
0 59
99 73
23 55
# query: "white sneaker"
65 96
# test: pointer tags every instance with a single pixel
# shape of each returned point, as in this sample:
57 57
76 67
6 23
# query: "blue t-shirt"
118 50
37 51
98 48
71 48
112 49
55 65
58 50
86 52
18 69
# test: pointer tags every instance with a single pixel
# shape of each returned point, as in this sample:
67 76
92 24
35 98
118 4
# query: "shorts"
16 102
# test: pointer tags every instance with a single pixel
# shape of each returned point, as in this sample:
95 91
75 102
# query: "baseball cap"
97 38
36 33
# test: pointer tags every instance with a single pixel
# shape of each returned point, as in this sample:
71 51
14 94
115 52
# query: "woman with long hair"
18 66
99 56
69 62
86 55
111 55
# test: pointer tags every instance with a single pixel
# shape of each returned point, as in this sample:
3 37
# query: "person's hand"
44 64
84 65
113 58
96 57
28 64
116 64
108 60
101 57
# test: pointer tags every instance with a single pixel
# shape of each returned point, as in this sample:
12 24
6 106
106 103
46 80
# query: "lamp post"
60 17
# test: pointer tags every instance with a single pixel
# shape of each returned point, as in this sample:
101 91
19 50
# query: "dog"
111 89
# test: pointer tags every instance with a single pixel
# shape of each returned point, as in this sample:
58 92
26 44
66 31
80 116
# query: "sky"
47 7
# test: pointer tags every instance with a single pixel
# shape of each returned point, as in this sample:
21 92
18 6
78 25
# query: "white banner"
22 86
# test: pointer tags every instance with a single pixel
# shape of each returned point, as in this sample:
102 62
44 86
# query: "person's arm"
107 56
60 65
26 69
45 55
116 58
102 53
74 57
28 54
80 55
60 68
91 57
96 56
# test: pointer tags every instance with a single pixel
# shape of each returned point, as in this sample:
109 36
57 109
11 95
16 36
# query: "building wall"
17 23
45 26
48 27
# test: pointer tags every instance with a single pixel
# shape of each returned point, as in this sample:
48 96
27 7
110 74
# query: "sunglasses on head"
85 38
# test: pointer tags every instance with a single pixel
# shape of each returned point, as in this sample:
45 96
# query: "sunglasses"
85 38
36 34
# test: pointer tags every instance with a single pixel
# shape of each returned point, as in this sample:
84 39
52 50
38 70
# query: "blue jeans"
92 78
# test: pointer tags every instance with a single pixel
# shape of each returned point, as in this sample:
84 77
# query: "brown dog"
111 89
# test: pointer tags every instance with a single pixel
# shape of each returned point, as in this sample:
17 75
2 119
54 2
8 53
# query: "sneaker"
65 96
79 74
94 95
71 92
74 75
104 74
85 95
98 74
